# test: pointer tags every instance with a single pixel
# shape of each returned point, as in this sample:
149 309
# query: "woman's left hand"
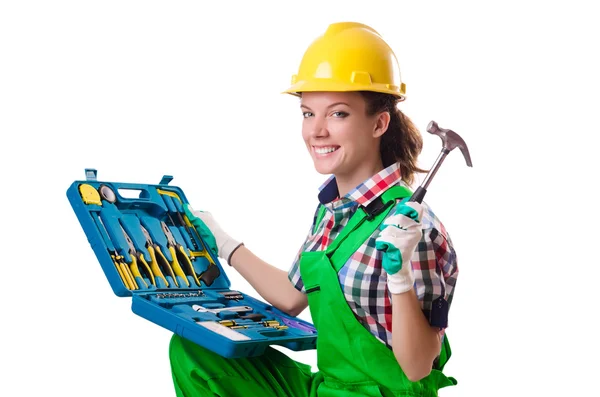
400 234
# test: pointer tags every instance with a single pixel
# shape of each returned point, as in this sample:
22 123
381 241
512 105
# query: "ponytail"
402 142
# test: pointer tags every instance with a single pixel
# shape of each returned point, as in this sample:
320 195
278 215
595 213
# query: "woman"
372 262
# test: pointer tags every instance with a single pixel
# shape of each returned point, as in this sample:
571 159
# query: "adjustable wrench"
238 309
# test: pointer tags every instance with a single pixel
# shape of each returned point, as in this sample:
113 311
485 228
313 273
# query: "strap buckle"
376 207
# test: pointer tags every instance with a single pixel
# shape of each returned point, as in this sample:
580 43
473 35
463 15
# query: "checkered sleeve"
435 271
294 271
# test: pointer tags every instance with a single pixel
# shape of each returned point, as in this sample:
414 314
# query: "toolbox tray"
186 297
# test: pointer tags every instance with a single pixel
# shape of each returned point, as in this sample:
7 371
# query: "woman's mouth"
325 150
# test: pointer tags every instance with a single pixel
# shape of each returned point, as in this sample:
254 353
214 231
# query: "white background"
139 89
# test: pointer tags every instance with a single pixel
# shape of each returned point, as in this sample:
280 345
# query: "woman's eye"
340 114
306 114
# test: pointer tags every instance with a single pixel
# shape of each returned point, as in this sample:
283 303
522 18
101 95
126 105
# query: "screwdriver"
212 272
268 323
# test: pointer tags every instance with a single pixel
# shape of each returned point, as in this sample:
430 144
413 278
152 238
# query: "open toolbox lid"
153 225
149 250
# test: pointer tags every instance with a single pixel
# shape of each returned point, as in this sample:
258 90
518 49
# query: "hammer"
450 140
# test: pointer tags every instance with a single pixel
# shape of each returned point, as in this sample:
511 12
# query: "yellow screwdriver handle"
121 274
177 267
127 273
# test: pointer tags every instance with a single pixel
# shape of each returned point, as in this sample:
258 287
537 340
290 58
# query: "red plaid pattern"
362 278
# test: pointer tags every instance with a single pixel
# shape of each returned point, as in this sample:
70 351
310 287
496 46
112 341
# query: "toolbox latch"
90 174
166 179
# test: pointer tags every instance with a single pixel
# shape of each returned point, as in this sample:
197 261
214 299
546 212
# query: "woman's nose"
319 128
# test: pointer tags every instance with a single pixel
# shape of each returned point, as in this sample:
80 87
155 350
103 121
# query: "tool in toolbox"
107 194
238 309
212 271
124 271
294 323
232 295
169 295
170 258
179 257
252 316
139 267
174 208
268 323
118 260
89 194
158 263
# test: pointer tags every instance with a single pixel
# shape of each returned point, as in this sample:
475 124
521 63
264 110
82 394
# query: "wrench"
203 309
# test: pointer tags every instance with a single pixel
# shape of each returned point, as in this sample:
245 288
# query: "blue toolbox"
149 250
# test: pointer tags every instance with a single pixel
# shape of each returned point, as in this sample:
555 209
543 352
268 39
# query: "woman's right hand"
221 243
270 282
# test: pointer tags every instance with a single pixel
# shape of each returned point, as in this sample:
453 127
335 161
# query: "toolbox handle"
133 193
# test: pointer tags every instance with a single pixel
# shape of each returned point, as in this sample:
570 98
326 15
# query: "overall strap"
320 216
373 215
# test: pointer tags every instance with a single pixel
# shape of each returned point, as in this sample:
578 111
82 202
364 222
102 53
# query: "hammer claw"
465 152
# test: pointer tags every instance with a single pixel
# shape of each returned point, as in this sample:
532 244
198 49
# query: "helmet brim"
327 85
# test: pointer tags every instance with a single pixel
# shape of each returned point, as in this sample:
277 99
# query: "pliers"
179 256
139 267
158 263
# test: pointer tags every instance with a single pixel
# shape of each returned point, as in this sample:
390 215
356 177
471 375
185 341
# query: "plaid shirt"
362 278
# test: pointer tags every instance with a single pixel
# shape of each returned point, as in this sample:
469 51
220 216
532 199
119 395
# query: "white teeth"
325 150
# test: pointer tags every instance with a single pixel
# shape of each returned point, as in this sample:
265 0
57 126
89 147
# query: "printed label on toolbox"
223 330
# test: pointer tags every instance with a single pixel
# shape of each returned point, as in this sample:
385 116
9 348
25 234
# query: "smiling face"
340 137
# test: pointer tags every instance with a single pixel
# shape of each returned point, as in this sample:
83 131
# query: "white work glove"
400 234
221 243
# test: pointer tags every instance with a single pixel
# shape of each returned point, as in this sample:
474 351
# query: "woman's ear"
381 124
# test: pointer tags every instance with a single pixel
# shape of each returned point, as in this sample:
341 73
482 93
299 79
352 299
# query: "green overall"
351 361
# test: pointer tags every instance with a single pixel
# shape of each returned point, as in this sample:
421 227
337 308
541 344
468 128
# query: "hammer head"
450 140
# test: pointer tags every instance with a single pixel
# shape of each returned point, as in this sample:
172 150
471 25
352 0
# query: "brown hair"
402 142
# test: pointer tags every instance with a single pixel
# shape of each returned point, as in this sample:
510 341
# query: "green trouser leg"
200 372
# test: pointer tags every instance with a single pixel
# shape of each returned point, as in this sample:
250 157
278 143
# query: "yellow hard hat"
350 56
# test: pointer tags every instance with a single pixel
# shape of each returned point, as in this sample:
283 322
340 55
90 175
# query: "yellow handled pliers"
139 267
158 263
179 256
